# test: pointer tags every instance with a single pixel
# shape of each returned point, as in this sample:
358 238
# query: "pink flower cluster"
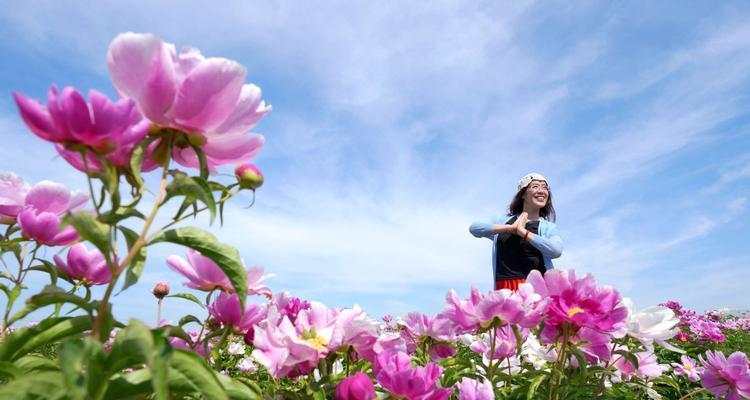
704 328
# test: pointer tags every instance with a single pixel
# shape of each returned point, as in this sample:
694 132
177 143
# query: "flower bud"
249 176
161 290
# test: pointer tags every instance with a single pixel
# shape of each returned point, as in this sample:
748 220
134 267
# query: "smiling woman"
526 238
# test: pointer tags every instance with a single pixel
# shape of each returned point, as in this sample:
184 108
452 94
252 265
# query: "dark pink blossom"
726 377
227 310
45 205
204 274
356 387
86 266
395 374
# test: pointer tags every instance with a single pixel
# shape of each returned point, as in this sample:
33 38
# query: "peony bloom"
505 344
289 306
83 265
395 374
648 366
653 324
204 274
356 329
689 368
111 129
44 207
248 176
470 389
204 98
226 309
726 377
579 302
13 190
356 387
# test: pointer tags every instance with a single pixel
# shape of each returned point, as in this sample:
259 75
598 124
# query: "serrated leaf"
189 297
134 270
226 257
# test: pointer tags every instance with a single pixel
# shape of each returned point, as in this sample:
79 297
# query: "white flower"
247 365
653 324
236 348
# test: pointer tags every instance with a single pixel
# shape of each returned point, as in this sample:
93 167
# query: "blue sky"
396 125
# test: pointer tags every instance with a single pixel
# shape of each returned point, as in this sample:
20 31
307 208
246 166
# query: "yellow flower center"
317 342
687 367
684 339
573 311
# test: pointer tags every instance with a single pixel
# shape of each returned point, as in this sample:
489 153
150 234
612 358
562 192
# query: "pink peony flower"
204 274
227 310
505 344
648 366
206 98
13 190
727 378
44 207
356 387
689 368
87 266
418 326
470 389
579 302
289 306
112 129
395 374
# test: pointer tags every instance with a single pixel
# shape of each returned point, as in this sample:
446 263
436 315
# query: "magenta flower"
112 129
227 310
13 190
45 206
204 274
206 98
418 326
579 302
727 378
86 266
356 387
395 374
470 389
463 313
289 306
689 368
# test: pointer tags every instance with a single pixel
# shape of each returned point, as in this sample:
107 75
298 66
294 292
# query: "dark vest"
516 258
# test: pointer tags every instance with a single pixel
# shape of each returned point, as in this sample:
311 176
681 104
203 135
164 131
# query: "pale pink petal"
75 159
66 236
182 267
187 60
228 149
248 111
209 94
13 190
41 227
49 196
142 67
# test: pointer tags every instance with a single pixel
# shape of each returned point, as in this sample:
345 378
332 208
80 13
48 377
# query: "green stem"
693 393
88 179
227 331
196 212
139 243
490 370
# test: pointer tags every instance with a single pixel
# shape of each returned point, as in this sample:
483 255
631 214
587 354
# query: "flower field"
183 116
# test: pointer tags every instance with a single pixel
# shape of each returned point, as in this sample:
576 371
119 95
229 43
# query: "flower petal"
226 149
49 196
36 117
76 113
249 110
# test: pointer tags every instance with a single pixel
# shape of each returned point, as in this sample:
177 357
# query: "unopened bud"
161 290
249 176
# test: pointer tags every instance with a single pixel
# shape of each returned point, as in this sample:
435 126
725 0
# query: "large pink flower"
112 129
13 190
227 310
87 266
356 387
395 373
204 274
45 206
470 389
204 97
579 302
726 377
689 367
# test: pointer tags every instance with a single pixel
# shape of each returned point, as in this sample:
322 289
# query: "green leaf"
25 340
188 296
135 268
53 271
50 295
90 229
72 366
44 385
137 385
136 162
5 275
12 295
237 390
197 372
226 257
192 188
630 357
8 371
122 213
202 160
188 319
35 363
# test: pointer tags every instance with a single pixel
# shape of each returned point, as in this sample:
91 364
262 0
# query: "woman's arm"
550 245
490 228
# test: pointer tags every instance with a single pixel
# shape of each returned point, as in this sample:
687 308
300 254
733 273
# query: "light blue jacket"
548 241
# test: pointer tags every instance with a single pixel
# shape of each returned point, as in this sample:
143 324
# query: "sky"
395 125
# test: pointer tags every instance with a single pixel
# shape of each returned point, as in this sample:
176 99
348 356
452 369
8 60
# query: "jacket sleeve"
483 228
551 244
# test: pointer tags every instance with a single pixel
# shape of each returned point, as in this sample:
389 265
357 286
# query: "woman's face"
537 194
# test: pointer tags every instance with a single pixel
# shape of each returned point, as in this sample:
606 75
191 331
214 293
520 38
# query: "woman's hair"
516 205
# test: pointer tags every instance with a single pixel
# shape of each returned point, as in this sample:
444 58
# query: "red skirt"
511 284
